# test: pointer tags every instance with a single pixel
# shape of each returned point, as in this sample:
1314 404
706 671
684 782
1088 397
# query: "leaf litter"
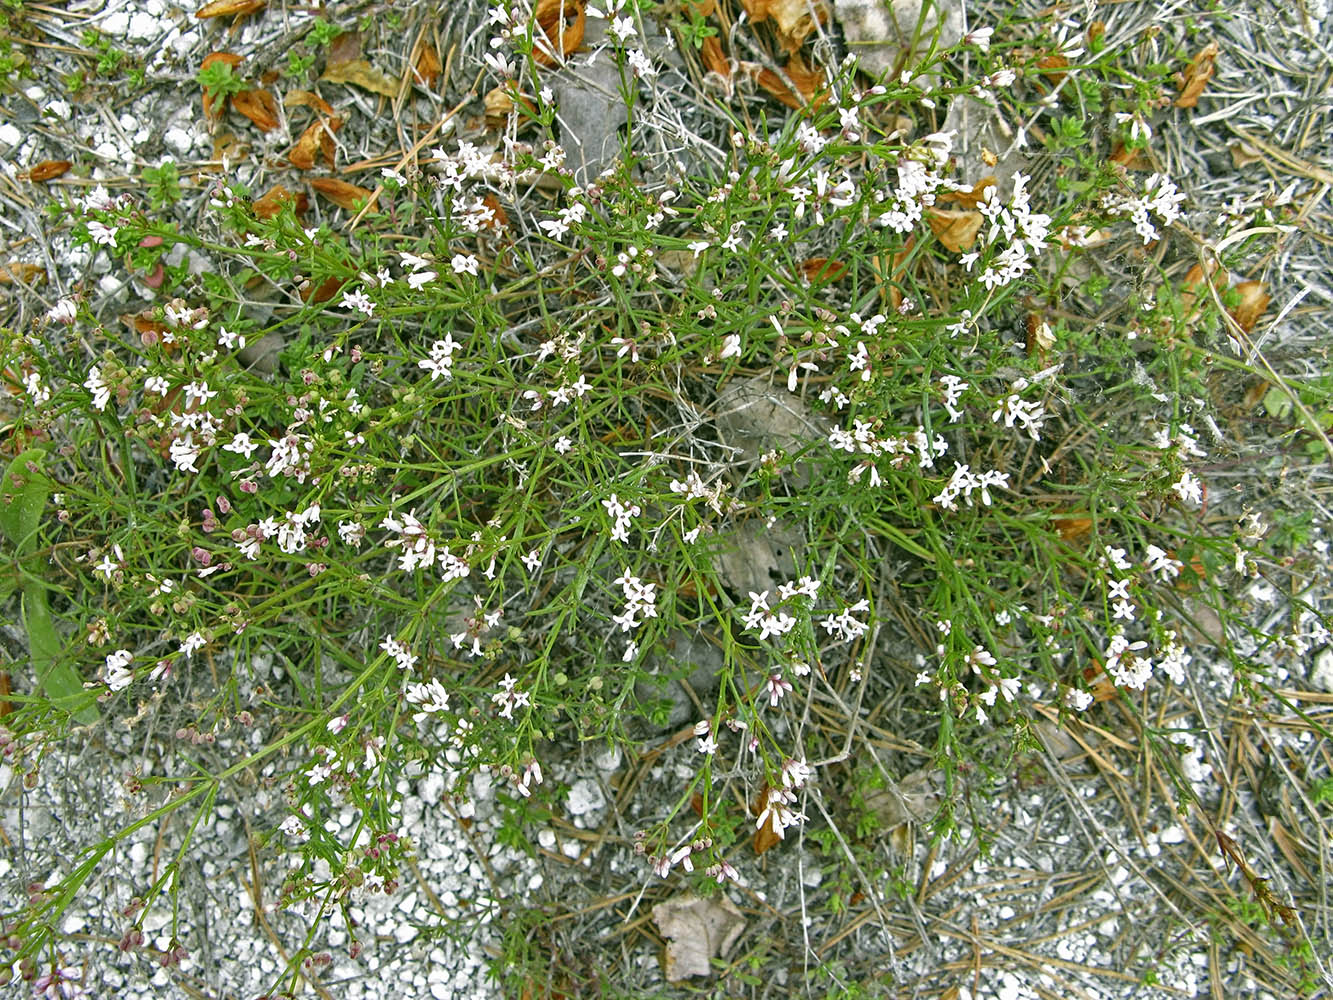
1027 828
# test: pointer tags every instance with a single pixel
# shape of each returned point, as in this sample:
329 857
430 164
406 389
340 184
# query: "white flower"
102 234
1189 488
64 311
94 384
980 37
241 445
622 28
117 673
359 301
184 452
464 263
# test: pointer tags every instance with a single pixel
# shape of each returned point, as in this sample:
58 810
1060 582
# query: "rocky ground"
1094 887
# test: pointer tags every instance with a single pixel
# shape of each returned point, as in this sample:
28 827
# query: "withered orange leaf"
821 269
307 99
791 18
765 839
807 82
713 58
275 198
1130 159
427 68
970 199
499 217
1195 284
229 147
562 23
322 292
316 139
1071 527
47 170
1254 299
342 194
259 106
229 8
1053 67
361 73
1196 76
956 229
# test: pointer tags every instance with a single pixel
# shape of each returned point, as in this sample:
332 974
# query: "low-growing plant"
492 480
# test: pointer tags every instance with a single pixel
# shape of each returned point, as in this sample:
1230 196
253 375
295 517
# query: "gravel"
1080 891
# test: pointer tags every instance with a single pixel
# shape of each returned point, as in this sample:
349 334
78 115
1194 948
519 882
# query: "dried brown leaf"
23 272
1071 527
956 229
47 170
275 198
361 73
969 199
1196 76
821 269
1243 154
307 99
314 141
765 838
714 59
499 217
1131 159
322 292
563 23
1053 67
1254 299
426 68
259 106
229 8
229 147
808 84
1194 285
345 48
342 194
698 930
791 18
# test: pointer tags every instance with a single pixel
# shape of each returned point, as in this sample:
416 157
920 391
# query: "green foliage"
322 32
220 81
23 496
163 184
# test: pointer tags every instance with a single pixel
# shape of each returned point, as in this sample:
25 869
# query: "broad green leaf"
21 506
60 681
